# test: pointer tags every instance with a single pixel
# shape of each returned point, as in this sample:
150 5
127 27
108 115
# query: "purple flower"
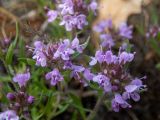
11 96
21 79
76 70
67 7
67 48
106 40
99 57
40 58
118 102
125 31
93 61
30 99
100 27
54 76
69 22
126 57
39 55
9 115
39 46
131 93
64 50
103 81
75 45
93 6
81 21
52 15
108 57
107 86
132 90
88 75
100 79
67 65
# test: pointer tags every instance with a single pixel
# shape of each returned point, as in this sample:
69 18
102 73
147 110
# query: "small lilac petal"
56 54
77 68
100 27
126 105
108 57
126 95
137 82
48 76
52 15
125 31
93 6
100 79
107 86
99 56
135 96
75 43
106 40
30 99
115 106
81 21
88 75
125 57
131 88
119 99
93 61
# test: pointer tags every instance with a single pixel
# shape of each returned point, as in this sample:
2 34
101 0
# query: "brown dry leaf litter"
120 10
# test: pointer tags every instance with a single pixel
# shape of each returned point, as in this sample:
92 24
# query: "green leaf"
77 103
154 16
155 46
158 36
86 43
9 55
27 61
158 66
1 53
62 109
21 48
74 115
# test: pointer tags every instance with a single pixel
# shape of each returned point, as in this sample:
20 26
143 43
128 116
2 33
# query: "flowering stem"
96 108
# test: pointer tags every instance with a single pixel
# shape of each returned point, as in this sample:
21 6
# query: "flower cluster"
22 79
114 78
20 100
58 53
8 115
111 74
108 35
73 13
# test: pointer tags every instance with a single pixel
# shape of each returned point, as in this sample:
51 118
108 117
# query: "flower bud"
17 106
11 96
30 99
